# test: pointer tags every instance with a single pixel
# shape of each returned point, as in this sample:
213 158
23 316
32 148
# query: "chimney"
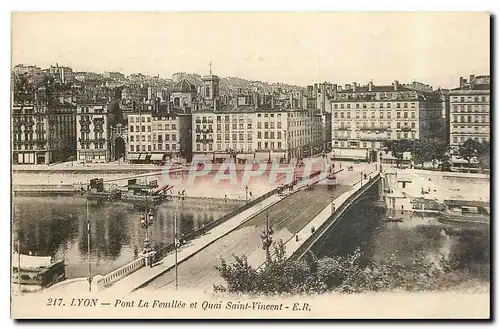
354 86
396 85
472 78
461 81
370 86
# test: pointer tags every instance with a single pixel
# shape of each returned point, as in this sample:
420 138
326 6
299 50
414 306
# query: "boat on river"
36 272
97 192
465 213
146 195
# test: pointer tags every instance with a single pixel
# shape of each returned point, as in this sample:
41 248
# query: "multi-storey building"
364 117
470 111
158 137
247 132
43 128
65 74
92 131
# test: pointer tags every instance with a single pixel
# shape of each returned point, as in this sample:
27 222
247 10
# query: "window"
357 114
336 115
131 138
364 115
381 115
341 115
398 115
143 129
348 106
398 125
413 115
335 106
398 105
341 106
405 115
388 115
381 105
413 125
259 125
266 134
234 126
357 105
174 137
173 126
348 115
266 125
279 125
279 134
131 129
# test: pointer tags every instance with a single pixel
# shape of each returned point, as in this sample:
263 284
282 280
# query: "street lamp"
267 238
146 221
380 157
246 193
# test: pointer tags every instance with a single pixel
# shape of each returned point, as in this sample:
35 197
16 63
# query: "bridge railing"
163 251
309 242
120 273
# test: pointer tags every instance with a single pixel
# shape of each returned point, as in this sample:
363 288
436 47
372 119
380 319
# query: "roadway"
286 218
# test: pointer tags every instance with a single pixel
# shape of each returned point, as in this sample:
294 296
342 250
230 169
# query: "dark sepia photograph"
239 165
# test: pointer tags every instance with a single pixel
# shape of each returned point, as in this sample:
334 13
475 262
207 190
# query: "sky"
295 48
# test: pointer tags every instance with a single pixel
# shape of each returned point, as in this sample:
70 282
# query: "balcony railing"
374 128
204 140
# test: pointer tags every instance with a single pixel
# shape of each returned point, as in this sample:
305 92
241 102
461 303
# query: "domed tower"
183 96
210 90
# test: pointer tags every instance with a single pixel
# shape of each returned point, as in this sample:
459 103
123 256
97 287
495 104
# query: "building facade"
159 137
92 131
42 131
470 111
248 133
365 117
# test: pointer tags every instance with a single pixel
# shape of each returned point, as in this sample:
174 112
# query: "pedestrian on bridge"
296 238
313 230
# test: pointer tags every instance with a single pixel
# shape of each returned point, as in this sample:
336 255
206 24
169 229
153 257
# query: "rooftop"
184 86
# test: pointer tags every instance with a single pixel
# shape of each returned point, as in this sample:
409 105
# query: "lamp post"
146 221
380 157
177 245
246 193
88 248
267 238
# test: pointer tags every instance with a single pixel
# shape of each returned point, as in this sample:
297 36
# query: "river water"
58 227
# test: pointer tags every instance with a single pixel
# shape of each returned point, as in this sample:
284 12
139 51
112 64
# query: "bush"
338 274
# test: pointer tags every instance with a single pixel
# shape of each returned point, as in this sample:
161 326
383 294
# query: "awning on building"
133 156
157 156
222 156
203 157
245 156
262 156
142 156
278 155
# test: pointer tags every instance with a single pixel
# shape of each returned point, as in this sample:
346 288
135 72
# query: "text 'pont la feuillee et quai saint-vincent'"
180 304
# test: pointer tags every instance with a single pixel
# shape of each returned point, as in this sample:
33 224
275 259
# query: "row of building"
198 121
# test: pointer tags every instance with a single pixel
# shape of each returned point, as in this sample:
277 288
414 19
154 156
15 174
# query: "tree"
343 274
484 154
398 148
469 149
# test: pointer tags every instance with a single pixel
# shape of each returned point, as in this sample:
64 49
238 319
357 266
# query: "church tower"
210 91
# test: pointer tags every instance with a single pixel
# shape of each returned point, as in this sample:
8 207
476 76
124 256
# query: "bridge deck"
286 217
